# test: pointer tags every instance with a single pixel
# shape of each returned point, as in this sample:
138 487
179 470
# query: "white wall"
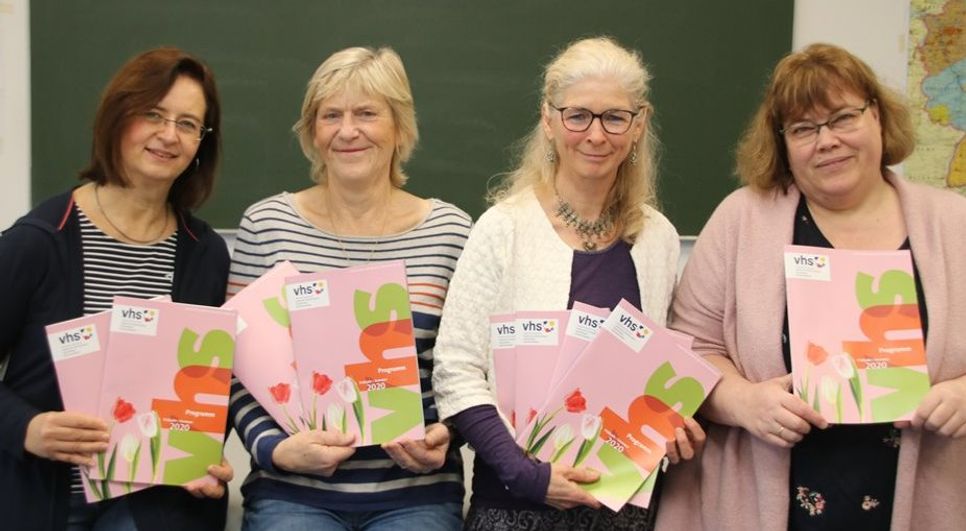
14 110
874 30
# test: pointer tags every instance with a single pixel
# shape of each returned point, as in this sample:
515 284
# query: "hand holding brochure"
855 333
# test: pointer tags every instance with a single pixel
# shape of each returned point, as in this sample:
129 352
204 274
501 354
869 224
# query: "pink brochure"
167 377
855 333
352 333
502 351
264 362
78 348
642 498
585 321
539 337
620 403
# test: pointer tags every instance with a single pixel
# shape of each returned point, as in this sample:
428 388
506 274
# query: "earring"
197 163
633 157
551 156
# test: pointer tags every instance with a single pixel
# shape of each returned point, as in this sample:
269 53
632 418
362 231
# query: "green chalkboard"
474 68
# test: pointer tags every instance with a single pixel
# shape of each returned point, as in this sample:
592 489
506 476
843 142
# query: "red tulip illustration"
575 402
321 383
815 354
281 393
542 430
123 410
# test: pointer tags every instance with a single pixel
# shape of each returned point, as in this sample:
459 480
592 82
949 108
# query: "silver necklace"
590 232
97 200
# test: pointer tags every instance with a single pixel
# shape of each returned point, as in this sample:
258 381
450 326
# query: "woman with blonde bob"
814 163
575 221
357 128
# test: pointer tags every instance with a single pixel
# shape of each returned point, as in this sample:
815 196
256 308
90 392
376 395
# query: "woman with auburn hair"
127 230
357 129
814 163
575 221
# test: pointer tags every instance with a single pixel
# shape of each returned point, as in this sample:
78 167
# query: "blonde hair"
376 73
801 82
598 57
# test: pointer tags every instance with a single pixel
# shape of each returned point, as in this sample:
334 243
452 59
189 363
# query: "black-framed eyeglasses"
614 121
186 127
844 121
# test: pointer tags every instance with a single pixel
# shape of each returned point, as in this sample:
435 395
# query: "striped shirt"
271 231
112 267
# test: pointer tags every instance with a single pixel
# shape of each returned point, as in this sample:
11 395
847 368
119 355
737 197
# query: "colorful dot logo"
642 332
149 315
819 261
87 332
549 326
318 287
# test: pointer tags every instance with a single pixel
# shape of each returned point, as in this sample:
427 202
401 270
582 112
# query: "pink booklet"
264 362
78 348
502 351
642 498
352 334
618 406
855 333
584 323
167 377
539 335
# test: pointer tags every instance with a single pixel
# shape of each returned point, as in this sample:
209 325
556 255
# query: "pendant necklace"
590 232
97 200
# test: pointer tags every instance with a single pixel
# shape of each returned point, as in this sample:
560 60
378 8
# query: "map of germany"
937 92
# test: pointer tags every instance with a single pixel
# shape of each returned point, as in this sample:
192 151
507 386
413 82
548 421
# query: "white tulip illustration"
349 392
562 439
589 429
131 452
148 424
832 393
843 365
589 426
335 415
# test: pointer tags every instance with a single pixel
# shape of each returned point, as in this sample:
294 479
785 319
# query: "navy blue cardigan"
41 282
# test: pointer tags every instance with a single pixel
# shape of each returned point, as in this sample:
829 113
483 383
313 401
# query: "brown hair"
138 86
801 82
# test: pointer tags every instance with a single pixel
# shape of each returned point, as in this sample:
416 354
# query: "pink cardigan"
732 297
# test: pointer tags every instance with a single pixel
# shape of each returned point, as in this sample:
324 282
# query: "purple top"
503 476
603 278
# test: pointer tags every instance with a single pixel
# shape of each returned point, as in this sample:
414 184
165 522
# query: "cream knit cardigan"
514 260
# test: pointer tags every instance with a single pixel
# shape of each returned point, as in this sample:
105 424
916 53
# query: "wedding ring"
781 429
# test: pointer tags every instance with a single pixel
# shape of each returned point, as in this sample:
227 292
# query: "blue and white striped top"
271 231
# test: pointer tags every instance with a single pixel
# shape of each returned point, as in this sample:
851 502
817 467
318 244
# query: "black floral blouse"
843 477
